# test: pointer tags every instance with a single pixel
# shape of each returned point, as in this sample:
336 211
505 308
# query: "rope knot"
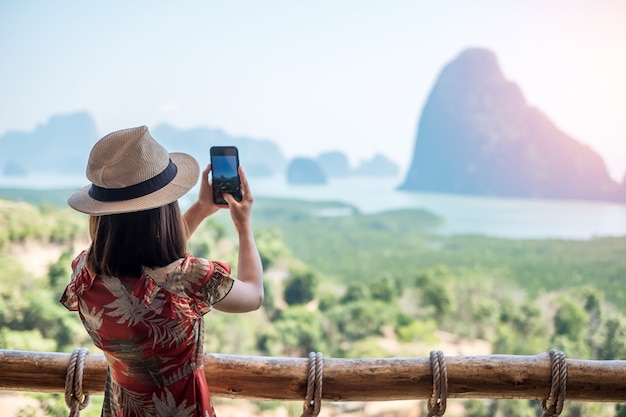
437 402
313 398
75 398
553 405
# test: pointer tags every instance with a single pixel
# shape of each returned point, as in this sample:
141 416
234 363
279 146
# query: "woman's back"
140 296
150 330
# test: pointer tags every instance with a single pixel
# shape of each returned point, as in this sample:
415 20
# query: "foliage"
462 283
368 347
22 221
204 241
433 291
356 246
383 289
232 333
269 298
23 339
532 408
327 298
614 344
570 320
49 404
350 246
295 332
620 410
512 408
10 272
60 271
53 405
56 198
584 409
418 330
476 408
355 292
271 246
36 321
301 285
360 319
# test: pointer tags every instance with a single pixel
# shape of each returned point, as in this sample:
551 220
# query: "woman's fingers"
245 187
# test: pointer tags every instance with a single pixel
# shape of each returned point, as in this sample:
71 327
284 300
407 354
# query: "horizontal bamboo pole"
271 378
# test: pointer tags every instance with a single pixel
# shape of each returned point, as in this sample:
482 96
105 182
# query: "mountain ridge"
477 135
63 143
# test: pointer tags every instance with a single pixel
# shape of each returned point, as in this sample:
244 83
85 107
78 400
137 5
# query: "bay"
499 217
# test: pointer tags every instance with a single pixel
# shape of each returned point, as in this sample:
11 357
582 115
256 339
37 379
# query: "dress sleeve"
81 277
209 287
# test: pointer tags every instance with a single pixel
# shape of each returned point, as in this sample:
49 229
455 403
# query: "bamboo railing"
272 378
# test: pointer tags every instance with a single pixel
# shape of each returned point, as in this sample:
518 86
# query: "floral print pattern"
151 332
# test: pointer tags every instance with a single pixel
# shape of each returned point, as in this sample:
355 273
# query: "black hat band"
137 190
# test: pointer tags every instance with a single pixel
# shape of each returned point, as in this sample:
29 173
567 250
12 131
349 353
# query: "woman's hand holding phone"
225 175
241 211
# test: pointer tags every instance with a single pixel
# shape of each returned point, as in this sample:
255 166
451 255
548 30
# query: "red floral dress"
151 332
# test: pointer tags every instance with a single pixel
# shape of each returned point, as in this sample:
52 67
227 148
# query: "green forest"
350 285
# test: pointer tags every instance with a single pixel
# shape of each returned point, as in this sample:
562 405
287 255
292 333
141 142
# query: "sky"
348 75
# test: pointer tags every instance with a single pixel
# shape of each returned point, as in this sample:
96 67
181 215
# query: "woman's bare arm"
247 292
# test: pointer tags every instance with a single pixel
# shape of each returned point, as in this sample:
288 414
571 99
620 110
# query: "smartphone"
225 170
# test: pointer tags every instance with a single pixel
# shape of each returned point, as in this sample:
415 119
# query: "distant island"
335 164
305 171
477 135
62 145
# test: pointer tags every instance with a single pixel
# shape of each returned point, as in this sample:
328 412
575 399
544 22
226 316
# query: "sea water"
499 217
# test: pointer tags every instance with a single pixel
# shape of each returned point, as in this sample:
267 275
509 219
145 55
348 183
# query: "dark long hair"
121 244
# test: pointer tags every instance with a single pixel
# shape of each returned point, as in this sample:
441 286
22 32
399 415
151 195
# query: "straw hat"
130 171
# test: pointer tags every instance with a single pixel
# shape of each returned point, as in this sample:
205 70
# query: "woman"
140 295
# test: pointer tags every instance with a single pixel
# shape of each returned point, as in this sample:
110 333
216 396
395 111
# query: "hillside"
349 286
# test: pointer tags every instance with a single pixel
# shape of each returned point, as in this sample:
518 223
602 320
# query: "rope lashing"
75 398
553 405
437 402
313 398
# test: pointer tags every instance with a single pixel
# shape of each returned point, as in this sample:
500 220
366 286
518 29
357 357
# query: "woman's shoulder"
81 280
189 269
183 266
80 260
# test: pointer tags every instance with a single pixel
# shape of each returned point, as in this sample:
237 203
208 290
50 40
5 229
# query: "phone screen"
224 165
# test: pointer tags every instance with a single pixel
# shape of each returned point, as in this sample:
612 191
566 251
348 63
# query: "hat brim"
185 179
